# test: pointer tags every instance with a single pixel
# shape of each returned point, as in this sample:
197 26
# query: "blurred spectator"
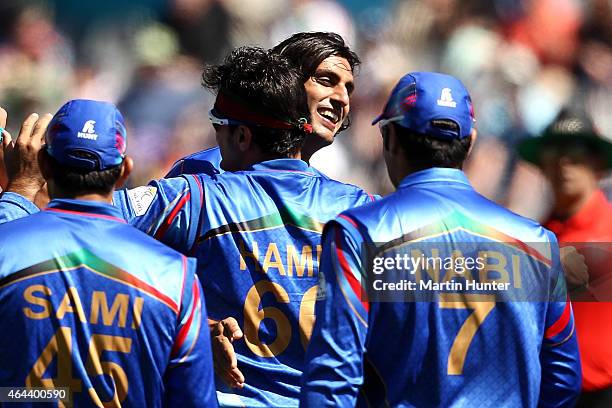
202 27
165 86
315 15
35 63
521 60
572 156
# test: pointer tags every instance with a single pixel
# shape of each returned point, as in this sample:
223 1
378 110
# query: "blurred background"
522 60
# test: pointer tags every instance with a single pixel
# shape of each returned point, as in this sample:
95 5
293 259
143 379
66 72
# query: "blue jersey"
14 206
256 235
97 306
461 348
207 161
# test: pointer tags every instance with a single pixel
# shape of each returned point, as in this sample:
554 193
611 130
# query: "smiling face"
328 91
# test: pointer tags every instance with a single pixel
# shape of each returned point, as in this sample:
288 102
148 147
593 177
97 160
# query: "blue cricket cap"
425 102
87 134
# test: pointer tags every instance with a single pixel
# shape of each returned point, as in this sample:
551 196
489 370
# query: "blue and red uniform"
462 348
208 161
97 306
256 235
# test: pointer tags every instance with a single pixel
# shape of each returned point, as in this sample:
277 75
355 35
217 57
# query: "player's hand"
6 140
21 156
574 266
223 333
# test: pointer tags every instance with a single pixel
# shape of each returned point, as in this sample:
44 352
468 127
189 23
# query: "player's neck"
261 157
101 198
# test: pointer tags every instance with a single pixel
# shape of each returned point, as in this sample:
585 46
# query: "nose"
341 96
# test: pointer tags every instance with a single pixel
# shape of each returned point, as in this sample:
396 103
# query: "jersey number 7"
481 306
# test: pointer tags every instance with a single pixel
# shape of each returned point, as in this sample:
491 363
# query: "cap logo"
569 126
446 99
88 131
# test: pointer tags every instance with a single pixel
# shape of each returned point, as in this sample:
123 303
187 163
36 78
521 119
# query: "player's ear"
126 169
43 163
244 138
473 137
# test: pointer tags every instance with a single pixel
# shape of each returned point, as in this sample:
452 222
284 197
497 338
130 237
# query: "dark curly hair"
308 50
267 83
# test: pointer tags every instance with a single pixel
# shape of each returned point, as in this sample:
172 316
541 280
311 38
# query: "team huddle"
241 278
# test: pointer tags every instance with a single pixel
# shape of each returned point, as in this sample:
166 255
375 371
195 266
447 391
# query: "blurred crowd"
522 60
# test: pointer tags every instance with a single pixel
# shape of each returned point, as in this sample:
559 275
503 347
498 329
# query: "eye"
323 80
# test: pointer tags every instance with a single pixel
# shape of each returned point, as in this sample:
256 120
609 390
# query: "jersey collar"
289 165
435 175
85 208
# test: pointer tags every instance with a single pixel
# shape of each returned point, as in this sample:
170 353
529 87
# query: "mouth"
330 117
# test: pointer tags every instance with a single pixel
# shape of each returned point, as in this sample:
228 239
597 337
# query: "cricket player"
327 65
256 228
89 304
371 346
255 231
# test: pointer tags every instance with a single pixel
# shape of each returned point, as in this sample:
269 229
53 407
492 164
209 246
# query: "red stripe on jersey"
350 220
561 323
346 270
166 224
86 214
182 335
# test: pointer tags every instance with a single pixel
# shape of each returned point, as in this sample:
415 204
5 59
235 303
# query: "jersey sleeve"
334 359
559 358
189 379
14 206
167 209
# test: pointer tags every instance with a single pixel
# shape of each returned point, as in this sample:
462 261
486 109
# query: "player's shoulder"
210 153
518 226
358 194
206 161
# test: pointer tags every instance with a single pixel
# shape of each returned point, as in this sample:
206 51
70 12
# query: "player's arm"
167 209
189 379
333 371
559 358
14 206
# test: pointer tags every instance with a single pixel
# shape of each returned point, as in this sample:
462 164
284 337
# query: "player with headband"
327 65
255 230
